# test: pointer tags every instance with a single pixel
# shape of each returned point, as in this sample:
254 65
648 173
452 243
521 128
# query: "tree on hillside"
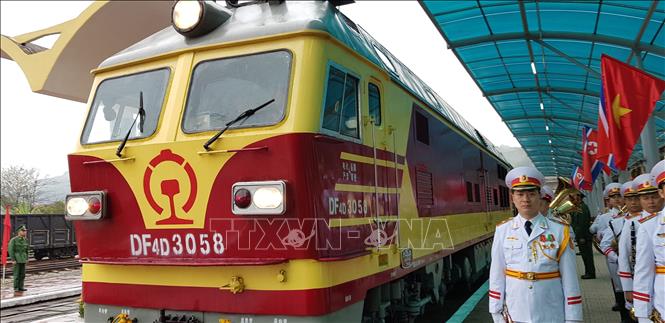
20 187
57 207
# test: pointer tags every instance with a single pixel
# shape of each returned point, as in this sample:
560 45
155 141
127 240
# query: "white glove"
498 318
643 320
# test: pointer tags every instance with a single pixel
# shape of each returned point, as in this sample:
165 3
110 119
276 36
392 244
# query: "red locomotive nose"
243 198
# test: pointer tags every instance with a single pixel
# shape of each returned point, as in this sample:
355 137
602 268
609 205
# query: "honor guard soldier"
609 245
613 193
533 275
627 240
649 284
645 192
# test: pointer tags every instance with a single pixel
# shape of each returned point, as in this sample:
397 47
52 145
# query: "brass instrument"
654 317
596 243
562 205
615 242
506 315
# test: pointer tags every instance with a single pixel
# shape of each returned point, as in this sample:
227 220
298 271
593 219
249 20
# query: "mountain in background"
54 188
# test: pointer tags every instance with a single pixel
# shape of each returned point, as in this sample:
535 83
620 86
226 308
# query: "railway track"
41 310
35 266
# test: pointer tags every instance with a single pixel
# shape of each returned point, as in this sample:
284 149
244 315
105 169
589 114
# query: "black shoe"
616 308
587 276
23 289
578 254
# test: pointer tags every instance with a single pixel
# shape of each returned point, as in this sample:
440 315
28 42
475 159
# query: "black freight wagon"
50 235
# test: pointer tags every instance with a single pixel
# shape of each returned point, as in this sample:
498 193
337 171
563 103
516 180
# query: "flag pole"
6 232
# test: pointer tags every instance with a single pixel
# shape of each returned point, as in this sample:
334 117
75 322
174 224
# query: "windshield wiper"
141 116
246 114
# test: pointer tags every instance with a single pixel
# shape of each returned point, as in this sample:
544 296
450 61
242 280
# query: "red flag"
630 97
591 166
7 231
604 151
578 181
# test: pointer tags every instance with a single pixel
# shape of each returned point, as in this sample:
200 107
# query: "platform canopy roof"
538 64
102 29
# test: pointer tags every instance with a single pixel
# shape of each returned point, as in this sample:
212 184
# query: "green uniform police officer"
18 253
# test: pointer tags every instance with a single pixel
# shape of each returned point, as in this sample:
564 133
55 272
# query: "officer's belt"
532 275
660 269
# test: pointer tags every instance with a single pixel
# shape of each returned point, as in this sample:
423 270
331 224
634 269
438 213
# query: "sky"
39 131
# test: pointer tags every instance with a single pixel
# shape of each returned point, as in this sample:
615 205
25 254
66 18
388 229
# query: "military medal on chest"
547 241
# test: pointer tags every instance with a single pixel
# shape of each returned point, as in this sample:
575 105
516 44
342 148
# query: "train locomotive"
269 161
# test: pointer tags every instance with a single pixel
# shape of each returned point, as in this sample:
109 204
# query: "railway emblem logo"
170 188
523 178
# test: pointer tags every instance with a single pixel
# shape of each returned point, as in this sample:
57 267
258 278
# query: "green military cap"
22 228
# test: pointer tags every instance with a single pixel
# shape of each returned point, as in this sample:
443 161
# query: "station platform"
597 295
42 286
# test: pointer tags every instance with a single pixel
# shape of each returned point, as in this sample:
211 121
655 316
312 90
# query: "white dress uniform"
601 222
533 278
626 254
623 253
649 284
611 234
628 238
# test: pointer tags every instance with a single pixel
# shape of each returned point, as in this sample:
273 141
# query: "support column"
606 180
595 198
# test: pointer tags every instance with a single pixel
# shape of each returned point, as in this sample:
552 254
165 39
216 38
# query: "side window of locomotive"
116 105
340 113
374 103
422 127
222 89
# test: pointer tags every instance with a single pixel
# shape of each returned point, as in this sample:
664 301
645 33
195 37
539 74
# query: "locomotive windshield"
222 89
116 104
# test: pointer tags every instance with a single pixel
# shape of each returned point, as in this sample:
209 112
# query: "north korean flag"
578 181
590 165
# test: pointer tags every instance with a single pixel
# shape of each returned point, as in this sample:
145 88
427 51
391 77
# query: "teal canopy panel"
538 64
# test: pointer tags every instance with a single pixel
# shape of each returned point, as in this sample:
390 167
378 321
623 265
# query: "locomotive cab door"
379 135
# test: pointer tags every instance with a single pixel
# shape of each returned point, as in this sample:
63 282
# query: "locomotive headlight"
259 198
268 198
77 206
186 14
197 18
85 205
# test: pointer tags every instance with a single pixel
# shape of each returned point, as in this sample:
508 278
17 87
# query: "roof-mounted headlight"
197 18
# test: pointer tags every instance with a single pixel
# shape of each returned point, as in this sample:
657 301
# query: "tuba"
562 205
